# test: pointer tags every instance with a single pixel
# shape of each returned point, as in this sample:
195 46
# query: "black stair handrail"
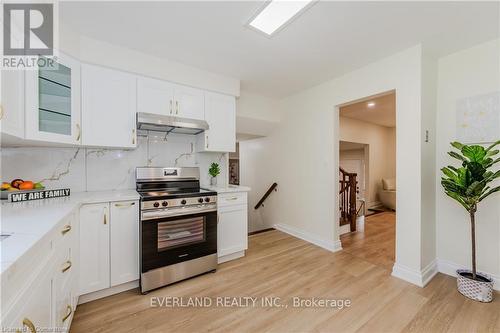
261 201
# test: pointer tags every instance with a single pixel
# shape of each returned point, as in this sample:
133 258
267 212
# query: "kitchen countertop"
28 222
227 189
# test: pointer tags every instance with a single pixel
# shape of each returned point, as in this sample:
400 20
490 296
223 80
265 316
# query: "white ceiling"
382 113
329 39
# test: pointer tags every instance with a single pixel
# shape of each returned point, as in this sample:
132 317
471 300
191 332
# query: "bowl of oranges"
21 186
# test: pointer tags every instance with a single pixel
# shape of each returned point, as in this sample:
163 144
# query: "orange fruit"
27 185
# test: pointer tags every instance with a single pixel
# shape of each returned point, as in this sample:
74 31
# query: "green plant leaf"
493 145
458 199
456 155
457 145
492 152
452 174
468 184
492 162
452 186
493 190
476 170
474 153
214 170
475 189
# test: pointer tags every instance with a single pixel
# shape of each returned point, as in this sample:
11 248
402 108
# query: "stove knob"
183 202
156 204
164 203
207 199
200 200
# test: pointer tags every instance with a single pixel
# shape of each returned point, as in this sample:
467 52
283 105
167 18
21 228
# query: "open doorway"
367 177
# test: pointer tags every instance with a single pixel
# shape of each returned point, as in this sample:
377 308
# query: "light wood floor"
280 265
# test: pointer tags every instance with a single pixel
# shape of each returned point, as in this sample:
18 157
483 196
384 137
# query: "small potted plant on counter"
214 171
468 185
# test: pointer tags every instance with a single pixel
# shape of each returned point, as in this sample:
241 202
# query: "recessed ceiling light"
370 104
276 14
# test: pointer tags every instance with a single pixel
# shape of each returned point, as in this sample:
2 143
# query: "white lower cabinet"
94 247
47 296
124 248
232 229
33 310
109 245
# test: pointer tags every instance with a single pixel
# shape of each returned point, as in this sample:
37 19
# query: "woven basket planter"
481 291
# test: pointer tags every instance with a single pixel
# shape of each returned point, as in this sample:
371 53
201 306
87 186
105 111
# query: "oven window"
180 232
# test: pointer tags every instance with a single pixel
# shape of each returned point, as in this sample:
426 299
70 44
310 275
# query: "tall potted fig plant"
470 184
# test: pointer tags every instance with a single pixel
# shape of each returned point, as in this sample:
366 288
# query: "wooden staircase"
347 198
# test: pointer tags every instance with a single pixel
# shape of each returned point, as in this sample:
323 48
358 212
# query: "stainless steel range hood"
170 124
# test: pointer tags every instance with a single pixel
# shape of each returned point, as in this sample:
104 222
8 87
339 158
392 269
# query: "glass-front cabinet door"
53 102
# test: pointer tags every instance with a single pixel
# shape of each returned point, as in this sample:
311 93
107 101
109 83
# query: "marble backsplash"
96 169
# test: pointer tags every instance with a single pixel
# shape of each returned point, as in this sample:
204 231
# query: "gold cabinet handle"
67 266
79 132
66 229
133 136
232 199
1 112
171 106
29 325
206 136
176 107
105 219
124 205
70 311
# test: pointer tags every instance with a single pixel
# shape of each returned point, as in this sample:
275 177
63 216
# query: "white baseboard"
108 292
450 268
429 272
231 256
332 246
419 278
374 204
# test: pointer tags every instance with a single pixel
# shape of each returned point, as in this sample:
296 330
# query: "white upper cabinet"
168 99
189 103
52 107
12 97
109 102
12 103
220 113
155 96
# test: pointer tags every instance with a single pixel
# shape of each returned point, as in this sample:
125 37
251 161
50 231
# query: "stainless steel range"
178 226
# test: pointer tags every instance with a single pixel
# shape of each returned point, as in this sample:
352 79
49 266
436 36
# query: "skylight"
276 14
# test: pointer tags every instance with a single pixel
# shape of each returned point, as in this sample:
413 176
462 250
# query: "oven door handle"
160 213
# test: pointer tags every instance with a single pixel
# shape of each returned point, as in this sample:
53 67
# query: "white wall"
305 155
256 115
102 53
381 152
256 106
467 73
257 171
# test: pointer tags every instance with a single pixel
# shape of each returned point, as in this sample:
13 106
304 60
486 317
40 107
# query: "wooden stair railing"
347 198
268 192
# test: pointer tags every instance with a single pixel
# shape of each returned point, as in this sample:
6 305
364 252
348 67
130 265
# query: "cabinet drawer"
231 199
63 299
